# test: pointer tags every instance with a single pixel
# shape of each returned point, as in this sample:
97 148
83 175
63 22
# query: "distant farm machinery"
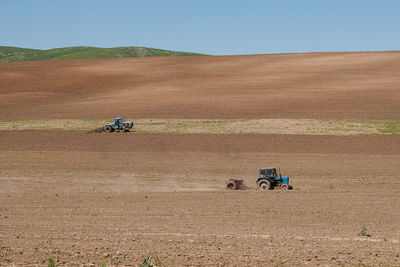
268 180
119 125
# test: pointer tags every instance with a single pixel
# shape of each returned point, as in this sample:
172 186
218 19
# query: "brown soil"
317 85
116 199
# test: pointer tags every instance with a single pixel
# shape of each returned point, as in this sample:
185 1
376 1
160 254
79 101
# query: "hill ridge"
18 54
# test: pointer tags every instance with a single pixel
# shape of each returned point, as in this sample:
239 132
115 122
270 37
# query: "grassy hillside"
13 54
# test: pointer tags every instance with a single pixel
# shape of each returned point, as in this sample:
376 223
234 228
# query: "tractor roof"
267 168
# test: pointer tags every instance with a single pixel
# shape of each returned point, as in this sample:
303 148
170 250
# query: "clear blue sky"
216 27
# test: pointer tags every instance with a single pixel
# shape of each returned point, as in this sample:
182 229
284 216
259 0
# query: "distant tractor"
269 179
119 125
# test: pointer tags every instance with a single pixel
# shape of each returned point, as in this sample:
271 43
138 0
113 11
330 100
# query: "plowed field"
115 199
317 85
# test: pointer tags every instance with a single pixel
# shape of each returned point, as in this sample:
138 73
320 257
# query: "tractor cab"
268 173
118 121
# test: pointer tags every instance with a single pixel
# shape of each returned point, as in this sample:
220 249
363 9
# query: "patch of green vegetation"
392 127
20 121
147 263
384 127
5 252
364 232
51 263
14 54
216 121
157 261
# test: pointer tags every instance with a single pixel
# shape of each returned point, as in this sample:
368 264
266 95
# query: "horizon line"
249 54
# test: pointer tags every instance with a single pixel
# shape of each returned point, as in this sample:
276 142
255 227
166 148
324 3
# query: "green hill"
13 54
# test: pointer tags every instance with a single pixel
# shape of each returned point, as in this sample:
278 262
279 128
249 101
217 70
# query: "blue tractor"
269 179
119 125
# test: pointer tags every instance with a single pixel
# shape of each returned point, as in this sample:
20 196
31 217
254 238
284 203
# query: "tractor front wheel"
284 187
265 185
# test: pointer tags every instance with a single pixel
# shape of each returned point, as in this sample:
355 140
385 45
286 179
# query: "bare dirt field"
115 199
317 85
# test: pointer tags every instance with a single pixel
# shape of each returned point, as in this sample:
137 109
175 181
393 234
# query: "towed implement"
233 184
119 125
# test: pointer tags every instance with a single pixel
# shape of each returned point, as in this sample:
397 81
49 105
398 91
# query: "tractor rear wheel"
108 129
264 185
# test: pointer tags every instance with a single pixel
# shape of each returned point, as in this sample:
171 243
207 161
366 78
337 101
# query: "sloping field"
317 85
330 121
